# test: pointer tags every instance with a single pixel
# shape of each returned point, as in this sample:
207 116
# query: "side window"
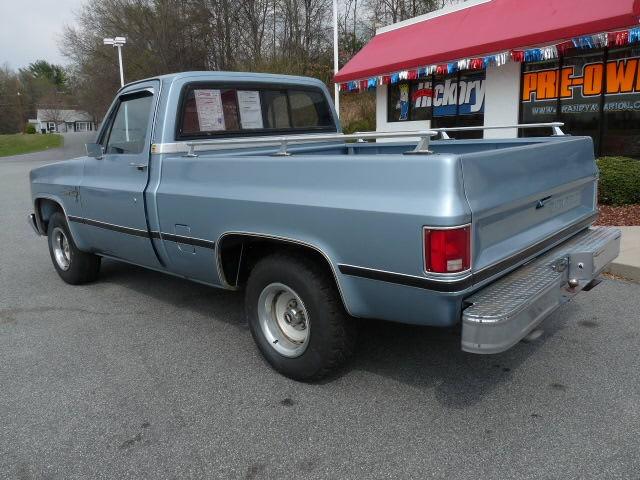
130 124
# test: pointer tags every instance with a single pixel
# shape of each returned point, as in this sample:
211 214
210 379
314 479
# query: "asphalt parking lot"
142 375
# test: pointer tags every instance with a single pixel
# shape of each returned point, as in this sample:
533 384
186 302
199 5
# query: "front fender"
59 183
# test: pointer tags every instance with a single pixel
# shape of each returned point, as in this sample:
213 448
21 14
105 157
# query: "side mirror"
95 150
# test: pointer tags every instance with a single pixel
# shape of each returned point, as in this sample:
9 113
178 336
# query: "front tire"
74 266
296 317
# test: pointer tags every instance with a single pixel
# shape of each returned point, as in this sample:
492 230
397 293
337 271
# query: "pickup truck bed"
404 233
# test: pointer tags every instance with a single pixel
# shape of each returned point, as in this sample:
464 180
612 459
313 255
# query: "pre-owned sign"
622 76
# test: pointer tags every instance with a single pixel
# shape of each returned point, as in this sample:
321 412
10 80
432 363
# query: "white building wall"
502 99
381 118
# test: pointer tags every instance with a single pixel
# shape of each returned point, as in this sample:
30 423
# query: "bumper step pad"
504 312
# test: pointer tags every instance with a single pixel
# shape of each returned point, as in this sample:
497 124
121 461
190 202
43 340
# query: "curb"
629 272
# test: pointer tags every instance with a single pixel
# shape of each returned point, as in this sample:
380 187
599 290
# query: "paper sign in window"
250 109
209 107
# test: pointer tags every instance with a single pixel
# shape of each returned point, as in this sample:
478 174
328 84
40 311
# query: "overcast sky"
30 30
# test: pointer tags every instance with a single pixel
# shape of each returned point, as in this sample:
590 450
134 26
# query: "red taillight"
447 251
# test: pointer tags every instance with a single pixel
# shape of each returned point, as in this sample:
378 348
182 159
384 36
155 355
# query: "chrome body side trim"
110 226
197 242
170 237
441 285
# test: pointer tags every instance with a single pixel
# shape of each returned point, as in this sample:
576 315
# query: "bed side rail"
555 127
191 147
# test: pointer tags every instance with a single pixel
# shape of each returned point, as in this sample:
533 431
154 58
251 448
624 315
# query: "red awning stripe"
495 26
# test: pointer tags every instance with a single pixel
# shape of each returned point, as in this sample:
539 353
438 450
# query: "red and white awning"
489 27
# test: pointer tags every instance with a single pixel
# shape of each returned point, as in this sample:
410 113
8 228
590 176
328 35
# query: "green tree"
55 74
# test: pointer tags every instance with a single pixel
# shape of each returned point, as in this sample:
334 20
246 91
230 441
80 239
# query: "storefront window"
593 92
539 100
580 87
410 101
448 101
459 102
621 122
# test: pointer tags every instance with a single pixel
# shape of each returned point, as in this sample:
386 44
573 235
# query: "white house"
61 121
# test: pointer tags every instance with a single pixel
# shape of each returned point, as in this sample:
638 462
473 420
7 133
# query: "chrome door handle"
139 166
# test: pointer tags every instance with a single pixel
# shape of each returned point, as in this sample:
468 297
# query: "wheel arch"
238 252
44 207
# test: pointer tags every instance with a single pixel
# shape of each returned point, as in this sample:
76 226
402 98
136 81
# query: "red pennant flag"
621 38
517 56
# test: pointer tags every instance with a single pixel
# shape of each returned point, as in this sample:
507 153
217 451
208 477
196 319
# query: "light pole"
117 42
336 91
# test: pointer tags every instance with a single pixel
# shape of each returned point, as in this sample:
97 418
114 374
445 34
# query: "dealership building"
507 62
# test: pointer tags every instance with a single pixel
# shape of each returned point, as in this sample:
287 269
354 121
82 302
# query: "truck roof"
234 76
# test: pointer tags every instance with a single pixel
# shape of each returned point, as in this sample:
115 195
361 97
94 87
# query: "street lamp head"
117 42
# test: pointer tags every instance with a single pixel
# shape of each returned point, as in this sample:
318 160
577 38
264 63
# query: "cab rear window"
213 110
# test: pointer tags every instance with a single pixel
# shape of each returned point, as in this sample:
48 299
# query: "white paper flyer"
210 113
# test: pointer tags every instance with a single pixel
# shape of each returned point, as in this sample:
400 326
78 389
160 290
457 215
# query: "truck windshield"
210 110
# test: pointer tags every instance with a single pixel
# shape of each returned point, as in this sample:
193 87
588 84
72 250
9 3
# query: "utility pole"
117 42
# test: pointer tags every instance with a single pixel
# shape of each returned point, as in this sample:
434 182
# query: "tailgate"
523 195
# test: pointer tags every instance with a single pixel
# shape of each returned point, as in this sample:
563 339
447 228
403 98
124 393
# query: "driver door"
113 183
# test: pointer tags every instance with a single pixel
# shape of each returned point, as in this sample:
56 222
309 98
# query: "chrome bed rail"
555 127
189 148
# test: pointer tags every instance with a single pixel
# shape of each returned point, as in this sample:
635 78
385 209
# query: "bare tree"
163 36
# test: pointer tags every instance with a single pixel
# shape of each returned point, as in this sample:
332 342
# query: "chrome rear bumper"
504 312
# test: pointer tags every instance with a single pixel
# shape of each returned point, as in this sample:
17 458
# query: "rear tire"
74 266
296 317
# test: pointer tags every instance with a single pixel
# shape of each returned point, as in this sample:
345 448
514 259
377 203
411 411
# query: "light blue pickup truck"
244 181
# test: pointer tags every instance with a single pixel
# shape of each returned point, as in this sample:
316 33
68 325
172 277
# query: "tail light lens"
447 251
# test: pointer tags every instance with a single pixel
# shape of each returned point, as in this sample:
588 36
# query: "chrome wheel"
60 245
284 320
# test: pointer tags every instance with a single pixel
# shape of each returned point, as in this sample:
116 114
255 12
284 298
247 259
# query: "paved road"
142 375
